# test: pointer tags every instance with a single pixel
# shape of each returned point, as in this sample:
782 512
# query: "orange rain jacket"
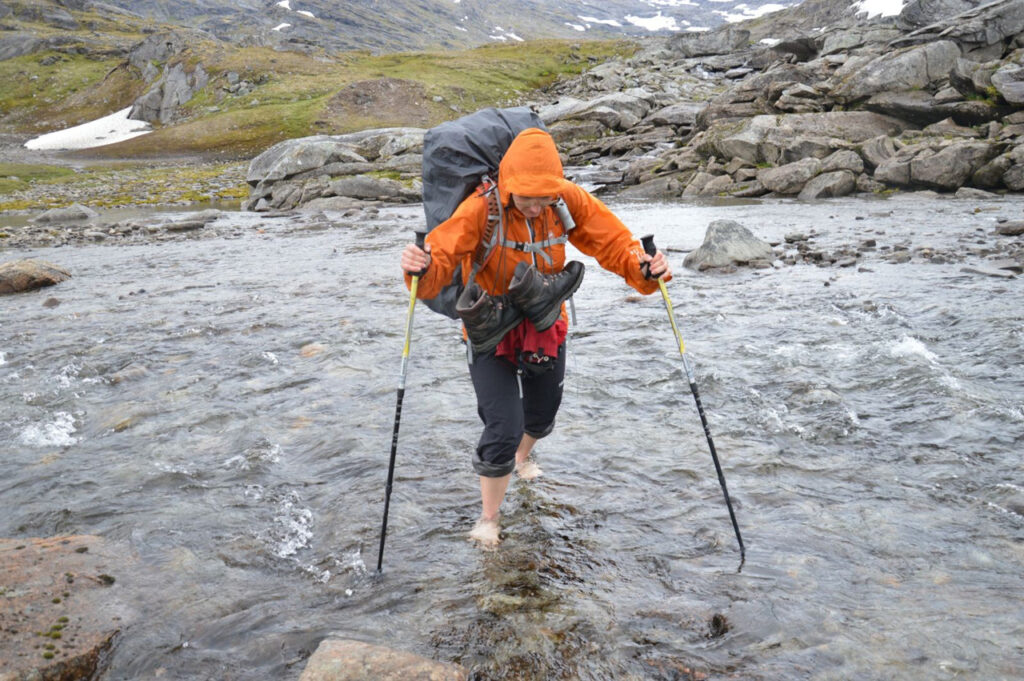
531 167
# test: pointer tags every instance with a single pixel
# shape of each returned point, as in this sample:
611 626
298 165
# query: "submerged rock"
345 660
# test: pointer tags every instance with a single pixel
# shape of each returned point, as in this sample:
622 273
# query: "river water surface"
223 409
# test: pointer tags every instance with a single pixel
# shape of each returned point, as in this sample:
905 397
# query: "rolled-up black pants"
507 414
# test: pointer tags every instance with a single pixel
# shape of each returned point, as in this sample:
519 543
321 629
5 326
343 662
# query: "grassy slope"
295 98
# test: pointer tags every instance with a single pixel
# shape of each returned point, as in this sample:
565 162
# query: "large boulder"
296 171
73 213
775 139
347 660
791 177
723 41
727 242
977 27
950 167
1009 81
831 184
921 108
615 110
907 69
295 156
19 276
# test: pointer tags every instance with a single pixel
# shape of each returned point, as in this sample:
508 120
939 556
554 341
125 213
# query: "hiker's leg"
526 468
524 449
492 492
500 408
542 397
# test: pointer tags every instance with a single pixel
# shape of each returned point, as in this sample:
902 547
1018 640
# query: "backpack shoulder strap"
489 189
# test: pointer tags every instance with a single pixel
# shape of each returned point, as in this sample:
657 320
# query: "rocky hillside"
923 100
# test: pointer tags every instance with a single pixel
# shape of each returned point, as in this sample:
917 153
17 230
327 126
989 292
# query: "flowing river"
223 408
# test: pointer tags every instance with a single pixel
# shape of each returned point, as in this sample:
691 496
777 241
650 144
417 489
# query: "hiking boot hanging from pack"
487 318
540 296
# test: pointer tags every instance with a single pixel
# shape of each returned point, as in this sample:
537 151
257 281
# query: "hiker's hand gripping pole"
420 236
650 249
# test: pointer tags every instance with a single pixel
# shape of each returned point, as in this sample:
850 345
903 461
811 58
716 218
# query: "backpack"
459 157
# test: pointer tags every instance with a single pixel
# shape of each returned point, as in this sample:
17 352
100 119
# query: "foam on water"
293 527
57 433
908 346
3 358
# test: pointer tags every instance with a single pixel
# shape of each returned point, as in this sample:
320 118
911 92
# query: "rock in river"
29 275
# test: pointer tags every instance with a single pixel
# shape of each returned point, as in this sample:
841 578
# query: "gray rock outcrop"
374 165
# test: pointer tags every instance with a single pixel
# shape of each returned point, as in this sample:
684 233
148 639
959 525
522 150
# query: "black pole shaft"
718 469
391 478
650 249
420 238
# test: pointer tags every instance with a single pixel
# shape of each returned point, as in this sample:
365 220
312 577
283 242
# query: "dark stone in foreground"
345 660
58 608
29 275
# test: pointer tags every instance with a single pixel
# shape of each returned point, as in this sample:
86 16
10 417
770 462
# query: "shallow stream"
223 408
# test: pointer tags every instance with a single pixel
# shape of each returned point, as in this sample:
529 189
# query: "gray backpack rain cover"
456 157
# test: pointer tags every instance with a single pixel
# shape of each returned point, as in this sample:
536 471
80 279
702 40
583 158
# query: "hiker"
513 312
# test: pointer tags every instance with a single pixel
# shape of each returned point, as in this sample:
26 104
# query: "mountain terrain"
402 25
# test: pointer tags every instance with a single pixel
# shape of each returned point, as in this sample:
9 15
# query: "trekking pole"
420 236
649 248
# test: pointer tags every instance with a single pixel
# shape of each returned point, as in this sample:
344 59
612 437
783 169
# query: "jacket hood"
531 167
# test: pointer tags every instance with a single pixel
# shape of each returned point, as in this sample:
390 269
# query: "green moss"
33 91
17 176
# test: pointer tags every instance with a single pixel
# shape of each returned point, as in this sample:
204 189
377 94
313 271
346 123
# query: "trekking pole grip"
649 247
421 244
651 250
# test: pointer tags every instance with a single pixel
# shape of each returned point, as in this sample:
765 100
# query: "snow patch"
607 22
655 23
879 8
744 12
107 130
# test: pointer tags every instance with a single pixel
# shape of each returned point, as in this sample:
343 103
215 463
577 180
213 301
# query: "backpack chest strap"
537 247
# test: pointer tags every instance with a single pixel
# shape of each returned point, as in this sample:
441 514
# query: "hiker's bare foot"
528 470
486 532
